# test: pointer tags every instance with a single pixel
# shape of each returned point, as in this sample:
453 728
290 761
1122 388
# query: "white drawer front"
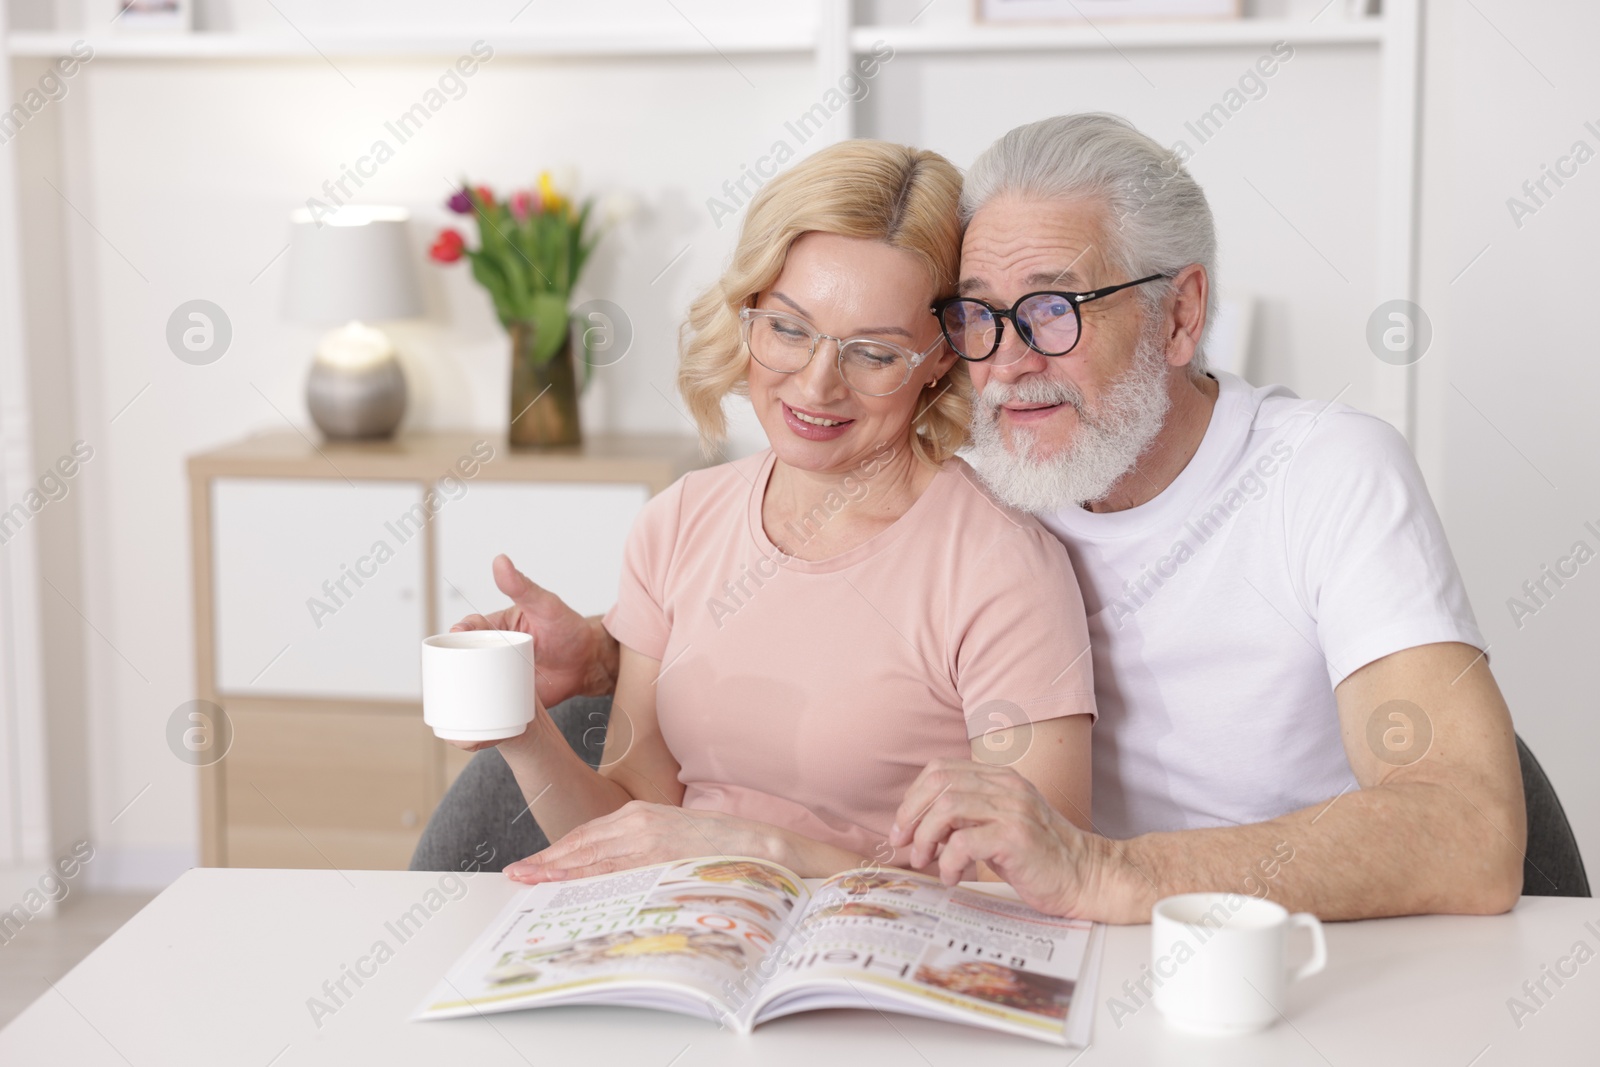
567 537
319 587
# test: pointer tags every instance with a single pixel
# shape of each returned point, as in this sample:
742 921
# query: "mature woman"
802 631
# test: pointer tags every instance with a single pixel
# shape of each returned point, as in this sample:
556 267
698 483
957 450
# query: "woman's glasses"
785 343
1050 323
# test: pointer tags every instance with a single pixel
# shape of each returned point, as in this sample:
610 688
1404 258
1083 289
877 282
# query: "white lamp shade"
353 265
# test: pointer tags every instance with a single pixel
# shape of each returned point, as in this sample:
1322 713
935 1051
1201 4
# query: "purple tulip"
460 203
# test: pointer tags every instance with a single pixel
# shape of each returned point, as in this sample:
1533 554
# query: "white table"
218 970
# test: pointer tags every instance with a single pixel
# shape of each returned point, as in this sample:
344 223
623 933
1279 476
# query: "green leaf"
549 325
489 276
511 264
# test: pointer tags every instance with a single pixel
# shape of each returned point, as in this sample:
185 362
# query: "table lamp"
349 271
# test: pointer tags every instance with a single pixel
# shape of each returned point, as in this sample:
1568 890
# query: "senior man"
1294 696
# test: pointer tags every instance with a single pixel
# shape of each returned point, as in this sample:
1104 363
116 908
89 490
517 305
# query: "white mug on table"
1221 960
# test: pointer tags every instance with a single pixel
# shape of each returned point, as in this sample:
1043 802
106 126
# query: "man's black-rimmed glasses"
1048 322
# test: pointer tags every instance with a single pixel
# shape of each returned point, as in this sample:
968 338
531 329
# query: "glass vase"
544 396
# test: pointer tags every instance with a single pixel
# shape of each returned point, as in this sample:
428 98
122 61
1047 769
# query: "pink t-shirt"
809 694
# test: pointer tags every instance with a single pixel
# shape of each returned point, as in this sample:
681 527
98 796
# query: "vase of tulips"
531 248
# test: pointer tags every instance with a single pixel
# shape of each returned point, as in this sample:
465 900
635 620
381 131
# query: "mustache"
1034 390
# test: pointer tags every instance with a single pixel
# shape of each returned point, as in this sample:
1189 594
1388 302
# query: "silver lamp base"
356 404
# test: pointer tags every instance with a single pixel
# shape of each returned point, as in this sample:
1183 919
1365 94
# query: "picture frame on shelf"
1092 11
149 16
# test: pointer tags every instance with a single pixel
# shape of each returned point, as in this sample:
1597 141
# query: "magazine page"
901 941
678 936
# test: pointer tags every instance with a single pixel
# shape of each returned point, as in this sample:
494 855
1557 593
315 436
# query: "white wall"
187 170
1508 426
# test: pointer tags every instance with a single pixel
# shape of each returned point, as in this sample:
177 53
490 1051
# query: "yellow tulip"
547 192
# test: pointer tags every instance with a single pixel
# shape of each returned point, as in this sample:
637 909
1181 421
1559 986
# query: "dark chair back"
1552 866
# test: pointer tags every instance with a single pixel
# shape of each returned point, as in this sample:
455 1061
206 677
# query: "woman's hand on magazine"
963 812
568 652
639 834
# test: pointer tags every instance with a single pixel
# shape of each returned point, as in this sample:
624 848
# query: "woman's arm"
1054 755
561 789
1030 699
638 834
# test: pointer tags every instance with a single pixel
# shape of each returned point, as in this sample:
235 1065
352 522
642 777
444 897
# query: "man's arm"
1438 825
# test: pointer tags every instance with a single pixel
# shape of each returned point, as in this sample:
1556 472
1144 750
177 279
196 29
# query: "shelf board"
1216 33
556 45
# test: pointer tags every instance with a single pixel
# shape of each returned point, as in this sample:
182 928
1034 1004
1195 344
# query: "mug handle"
1319 946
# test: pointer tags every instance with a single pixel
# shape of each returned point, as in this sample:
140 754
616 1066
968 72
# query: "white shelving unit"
1212 34
743 40
554 45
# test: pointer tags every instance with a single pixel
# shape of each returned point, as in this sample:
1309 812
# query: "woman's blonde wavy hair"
905 197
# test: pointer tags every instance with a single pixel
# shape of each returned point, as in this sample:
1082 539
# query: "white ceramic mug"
477 685
1220 960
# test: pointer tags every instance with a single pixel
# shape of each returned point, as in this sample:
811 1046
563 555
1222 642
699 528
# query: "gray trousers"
483 822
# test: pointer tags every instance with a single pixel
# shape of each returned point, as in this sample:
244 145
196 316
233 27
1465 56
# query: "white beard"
1108 442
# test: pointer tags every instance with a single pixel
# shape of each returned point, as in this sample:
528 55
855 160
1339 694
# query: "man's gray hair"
1157 218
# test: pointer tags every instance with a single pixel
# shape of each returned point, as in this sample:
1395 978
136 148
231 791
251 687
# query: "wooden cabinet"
318 569
304 607
318 786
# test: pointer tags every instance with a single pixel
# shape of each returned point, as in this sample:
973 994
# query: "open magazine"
744 940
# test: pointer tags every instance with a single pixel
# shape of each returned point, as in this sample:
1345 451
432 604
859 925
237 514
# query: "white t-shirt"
1297 546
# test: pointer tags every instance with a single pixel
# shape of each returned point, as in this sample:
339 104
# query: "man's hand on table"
573 655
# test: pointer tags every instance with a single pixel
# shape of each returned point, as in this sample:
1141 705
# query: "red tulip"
448 247
486 195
